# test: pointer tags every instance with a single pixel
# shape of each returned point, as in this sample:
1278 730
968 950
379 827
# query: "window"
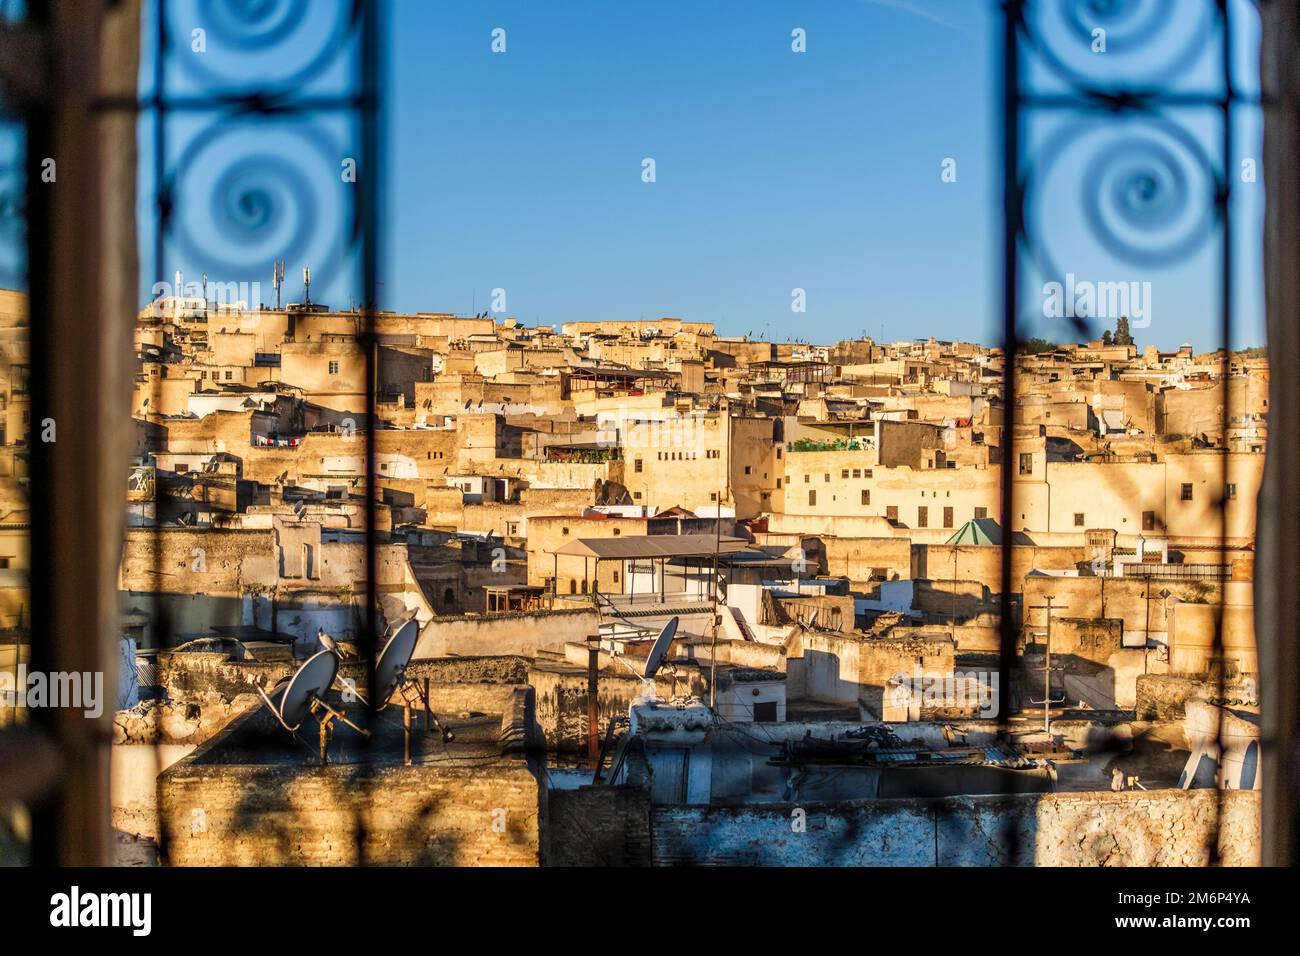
891 512
778 454
1148 521
806 479
765 711
1078 519
334 368
947 517
1230 491
1187 491
981 512
857 472
749 470
616 575
1026 463
637 466
923 517
827 477
866 496
844 473
778 484
812 496
564 531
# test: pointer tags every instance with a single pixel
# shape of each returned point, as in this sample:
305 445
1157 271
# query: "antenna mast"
277 280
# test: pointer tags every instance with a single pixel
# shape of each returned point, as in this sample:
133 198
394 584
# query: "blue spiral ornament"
1146 190
249 193
13 222
276 47
1146 42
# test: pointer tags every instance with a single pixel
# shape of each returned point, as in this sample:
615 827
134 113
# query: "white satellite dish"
390 678
390 669
292 705
660 649
304 695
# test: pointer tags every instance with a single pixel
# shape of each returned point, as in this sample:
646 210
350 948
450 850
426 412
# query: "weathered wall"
504 634
561 698
292 815
1135 828
598 826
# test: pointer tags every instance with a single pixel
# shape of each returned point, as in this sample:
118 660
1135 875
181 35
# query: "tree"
1122 334
1107 338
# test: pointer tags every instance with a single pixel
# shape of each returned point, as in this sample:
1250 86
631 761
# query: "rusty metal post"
406 735
593 692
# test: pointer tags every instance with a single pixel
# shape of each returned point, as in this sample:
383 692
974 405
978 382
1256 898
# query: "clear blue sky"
774 170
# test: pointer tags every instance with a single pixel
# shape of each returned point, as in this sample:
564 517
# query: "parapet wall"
1133 828
218 814
504 634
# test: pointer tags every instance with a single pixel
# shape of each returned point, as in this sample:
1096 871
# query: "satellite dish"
660 649
391 666
310 683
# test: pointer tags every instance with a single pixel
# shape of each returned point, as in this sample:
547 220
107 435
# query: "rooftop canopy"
984 531
652 546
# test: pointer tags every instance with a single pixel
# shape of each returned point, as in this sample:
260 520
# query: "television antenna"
303 695
277 280
1047 700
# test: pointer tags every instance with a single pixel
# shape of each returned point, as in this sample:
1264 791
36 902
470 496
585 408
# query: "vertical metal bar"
162 210
1011 226
1224 200
593 695
368 198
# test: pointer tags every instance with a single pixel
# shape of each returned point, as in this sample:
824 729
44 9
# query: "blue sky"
775 170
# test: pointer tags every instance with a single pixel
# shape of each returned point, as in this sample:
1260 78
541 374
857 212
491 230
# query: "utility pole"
717 618
1047 666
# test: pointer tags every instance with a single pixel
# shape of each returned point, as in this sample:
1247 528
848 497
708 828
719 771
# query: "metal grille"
1131 110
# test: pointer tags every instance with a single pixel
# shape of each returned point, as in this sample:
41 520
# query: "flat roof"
653 546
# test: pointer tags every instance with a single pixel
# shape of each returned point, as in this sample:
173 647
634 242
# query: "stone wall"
1165 696
1134 828
598 826
274 815
504 634
560 693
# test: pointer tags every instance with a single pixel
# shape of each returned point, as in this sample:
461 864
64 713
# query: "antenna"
205 293
306 283
277 280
